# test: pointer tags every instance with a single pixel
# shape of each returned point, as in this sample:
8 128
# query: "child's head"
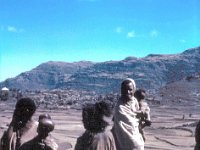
93 116
42 116
45 126
140 94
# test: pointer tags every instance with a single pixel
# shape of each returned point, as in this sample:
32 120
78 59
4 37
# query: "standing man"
125 129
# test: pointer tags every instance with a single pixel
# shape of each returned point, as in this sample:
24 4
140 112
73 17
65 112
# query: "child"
144 107
96 135
43 141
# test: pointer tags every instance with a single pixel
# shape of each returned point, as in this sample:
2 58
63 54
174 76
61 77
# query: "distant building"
4 94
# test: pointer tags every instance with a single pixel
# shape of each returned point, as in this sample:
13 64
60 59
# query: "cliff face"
150 72
153 71
45 76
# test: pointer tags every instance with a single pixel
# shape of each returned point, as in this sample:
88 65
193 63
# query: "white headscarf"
132 81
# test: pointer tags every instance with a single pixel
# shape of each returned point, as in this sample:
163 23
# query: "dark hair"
93 122
26 103
139 94
93 116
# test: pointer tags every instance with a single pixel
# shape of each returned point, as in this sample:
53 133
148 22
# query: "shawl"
99 141
27 133
125 129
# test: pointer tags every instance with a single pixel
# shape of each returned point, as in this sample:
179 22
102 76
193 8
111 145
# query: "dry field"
171 128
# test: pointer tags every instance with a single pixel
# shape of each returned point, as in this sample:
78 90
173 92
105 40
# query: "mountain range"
151 72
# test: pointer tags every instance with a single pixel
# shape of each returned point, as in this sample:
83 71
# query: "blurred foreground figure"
43 141
126 120
197 137
144 107
97 136
22 127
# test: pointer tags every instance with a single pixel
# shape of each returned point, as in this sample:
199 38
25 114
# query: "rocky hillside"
150 72
183 91
153 71
46 75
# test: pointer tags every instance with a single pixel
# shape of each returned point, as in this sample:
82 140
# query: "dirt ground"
171 128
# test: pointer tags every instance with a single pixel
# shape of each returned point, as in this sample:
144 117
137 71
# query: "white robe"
125 129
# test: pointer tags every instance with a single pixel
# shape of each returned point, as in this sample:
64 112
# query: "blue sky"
37 31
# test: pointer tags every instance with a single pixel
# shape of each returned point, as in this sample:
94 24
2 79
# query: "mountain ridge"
150 72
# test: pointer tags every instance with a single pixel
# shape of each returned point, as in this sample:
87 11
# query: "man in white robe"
125 129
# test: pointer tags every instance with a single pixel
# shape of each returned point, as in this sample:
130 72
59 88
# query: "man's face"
128 91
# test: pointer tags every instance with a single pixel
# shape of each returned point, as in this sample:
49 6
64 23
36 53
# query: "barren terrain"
172 128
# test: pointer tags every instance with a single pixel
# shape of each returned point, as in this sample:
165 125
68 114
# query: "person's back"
98 141
96 136
22 127
197 137
103 141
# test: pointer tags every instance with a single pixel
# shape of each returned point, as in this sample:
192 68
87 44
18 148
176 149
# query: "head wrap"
132 81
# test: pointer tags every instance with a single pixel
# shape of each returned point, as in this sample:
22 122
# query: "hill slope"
150 72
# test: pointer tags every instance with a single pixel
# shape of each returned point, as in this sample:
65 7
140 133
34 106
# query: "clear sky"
37 31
